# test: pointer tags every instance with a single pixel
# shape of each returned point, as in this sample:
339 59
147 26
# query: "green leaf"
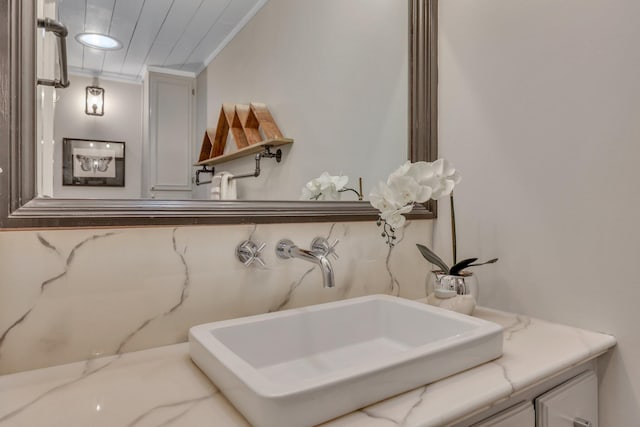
456 269
491 261
430 256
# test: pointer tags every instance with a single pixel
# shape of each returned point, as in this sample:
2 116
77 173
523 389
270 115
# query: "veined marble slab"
162 387
70 295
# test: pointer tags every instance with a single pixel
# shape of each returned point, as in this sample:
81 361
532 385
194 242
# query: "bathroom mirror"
22 155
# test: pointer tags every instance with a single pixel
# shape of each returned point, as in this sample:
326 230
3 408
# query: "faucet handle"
322 246
249 252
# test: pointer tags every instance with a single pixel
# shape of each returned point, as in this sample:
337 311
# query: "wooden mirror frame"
20 209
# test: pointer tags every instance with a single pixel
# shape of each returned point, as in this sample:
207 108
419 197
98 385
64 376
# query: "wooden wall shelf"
247 151
244 122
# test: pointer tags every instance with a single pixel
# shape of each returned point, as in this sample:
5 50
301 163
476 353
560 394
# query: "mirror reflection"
157 88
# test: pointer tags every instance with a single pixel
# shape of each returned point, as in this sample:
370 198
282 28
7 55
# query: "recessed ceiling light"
99 41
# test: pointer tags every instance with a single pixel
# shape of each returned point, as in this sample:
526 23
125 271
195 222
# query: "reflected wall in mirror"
26 149
333 73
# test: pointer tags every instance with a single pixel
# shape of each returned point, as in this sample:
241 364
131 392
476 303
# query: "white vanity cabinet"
569 401
572 404
520 415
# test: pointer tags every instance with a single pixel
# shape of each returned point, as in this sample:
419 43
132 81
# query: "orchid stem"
317 196
351 189
453 230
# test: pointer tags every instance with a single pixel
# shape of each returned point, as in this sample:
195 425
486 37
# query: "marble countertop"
162 387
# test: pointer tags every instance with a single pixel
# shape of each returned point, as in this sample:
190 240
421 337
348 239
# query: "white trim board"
73 71
169 71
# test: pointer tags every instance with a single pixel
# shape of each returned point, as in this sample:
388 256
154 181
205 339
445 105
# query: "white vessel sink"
304 366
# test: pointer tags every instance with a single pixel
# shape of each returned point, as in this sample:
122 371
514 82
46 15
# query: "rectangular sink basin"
304 366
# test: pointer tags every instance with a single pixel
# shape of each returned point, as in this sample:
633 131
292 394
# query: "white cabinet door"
521 415
574 403
169 142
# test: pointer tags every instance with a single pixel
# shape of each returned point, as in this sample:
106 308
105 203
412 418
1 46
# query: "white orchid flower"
411 183
328 189
443 167
324 187
421 171
401 171
445 179
395 218
340 181
444 189
382 198
414 183
311 190
336 181
403 190
424 174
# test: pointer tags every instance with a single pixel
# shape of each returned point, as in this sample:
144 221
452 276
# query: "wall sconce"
94 101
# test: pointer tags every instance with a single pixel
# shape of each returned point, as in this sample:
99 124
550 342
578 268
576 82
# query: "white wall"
202 115
46 66
334 75
540 110
122 121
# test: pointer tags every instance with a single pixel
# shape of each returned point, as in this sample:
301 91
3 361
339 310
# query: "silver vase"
446 286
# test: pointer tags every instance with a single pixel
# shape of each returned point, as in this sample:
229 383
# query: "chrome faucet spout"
287 249
327 272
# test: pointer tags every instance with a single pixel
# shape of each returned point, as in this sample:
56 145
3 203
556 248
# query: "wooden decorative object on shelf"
206 152
245 123
250 124
264 118
235 123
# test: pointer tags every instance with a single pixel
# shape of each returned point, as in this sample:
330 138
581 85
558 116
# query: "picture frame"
93 163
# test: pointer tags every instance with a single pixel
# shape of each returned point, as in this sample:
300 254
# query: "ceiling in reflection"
179 34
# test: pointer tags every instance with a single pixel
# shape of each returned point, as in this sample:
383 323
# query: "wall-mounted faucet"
318 254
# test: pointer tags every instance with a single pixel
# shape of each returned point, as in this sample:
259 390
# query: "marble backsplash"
69 295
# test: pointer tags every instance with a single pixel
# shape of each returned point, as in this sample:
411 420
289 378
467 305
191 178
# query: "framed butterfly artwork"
93 163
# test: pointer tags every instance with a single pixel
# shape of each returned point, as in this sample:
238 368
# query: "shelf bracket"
205 169
266 153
